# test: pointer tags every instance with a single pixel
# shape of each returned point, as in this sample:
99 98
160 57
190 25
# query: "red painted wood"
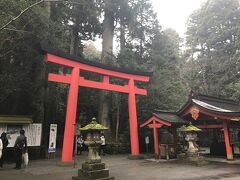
106 79
212 126
227 142
68 140
216 126
133 119
154 118
155 125
66 79
75 80
69 63
94 84
161 121
155 135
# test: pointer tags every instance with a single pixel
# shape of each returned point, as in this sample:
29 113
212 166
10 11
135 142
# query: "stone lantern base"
91 171
193 159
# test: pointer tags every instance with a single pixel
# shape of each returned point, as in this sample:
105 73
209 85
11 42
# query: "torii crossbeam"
74 80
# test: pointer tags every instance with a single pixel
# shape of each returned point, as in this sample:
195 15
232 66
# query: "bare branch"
8 52
22 12
17 30
29 7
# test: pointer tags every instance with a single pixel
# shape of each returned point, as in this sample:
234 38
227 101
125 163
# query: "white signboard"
13 131
3 129
33 132
52 138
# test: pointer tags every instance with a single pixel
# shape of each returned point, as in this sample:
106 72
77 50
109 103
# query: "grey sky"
174 13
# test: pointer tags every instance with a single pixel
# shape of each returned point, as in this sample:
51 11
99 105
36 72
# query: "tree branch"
29 7
22 12
17 30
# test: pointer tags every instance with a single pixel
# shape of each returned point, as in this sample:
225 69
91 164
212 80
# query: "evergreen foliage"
210 63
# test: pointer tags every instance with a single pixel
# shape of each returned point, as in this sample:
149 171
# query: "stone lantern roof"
189 128
93 126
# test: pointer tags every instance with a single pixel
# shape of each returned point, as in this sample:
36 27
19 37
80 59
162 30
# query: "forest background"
207 61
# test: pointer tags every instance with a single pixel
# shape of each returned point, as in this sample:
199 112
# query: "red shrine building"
218 118
222 116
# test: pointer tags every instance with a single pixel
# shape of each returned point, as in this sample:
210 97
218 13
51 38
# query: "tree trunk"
74 34
107 45
48 8
108 30
122 35
74 40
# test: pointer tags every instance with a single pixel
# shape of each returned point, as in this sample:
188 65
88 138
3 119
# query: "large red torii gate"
74 80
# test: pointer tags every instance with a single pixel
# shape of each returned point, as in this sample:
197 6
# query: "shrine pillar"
155 135
133 119
227 142
68 140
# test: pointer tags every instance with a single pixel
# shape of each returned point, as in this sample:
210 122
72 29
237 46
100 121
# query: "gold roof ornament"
93 126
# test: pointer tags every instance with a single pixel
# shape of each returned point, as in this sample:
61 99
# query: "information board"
33 132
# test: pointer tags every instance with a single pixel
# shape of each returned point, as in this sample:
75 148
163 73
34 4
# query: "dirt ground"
124 169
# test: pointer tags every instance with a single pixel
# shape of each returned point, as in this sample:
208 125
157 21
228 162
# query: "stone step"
96 174
87 178
92 167
107 178
80 178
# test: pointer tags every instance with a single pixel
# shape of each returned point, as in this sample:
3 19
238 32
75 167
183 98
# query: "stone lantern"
192 153
93 168
93 140
191 138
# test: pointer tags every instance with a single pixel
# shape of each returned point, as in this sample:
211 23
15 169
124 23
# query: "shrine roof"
15 119
45 49
170 117
213 104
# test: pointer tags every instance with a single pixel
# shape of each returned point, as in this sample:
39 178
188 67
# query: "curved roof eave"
190 103
218 112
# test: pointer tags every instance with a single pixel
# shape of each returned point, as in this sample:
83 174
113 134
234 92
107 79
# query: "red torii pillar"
70 116
155 123
133 119
74 80
227 142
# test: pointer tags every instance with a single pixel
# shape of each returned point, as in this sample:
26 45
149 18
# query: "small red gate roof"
165 118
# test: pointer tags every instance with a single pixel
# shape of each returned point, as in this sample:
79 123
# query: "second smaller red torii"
157 120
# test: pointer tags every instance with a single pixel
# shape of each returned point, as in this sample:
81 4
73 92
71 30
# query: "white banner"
52 138
33 132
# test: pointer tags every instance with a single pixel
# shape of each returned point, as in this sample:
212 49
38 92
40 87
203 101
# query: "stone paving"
124 169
